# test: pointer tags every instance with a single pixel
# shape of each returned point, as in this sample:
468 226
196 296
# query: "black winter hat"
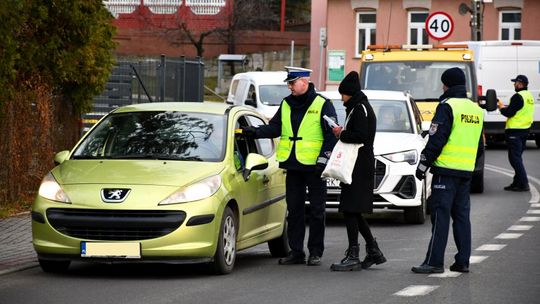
453 77
350 84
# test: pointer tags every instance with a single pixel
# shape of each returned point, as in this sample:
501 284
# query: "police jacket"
516 103
441 126
299 106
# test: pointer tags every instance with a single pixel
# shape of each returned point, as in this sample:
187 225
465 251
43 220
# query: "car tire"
417 215
537 140
225 255
279 247
51 266
477 182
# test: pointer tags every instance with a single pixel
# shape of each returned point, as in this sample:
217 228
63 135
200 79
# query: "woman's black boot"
374 255
350 262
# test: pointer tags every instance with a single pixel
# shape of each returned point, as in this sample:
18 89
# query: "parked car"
164 182
262 90
398 143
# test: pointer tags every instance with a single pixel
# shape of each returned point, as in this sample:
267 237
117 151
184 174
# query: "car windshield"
272 95
392 115
156 135
421 79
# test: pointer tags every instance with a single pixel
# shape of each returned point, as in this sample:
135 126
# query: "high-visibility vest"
523 118
460 150
308 142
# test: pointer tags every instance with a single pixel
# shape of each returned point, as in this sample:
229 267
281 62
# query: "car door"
260 196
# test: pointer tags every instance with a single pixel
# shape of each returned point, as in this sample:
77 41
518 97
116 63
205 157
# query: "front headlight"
51 190
200 190
410 156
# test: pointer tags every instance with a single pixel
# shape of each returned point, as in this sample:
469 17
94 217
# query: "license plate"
332 182
110 250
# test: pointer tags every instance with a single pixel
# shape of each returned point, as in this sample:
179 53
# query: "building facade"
341 29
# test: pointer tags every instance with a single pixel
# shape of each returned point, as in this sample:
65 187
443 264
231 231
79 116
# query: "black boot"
374 255
350 262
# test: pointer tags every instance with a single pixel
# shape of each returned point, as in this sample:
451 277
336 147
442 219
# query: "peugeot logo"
114 195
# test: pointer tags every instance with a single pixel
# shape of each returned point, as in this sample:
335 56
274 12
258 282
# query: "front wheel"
225 255
51 266
417 215
279 247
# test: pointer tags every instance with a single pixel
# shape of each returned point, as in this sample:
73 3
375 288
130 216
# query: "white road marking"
476 259
530 219
416 290
535 205
509 236
533 211
535 195
446 274
520 227
491 247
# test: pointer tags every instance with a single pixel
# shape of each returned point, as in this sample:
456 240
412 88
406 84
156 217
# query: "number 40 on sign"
439 25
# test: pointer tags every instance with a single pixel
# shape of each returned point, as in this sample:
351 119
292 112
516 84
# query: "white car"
398 143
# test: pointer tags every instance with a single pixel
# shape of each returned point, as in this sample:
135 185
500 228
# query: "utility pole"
476 20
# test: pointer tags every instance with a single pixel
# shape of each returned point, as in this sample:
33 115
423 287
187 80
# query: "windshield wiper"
146 156
87 157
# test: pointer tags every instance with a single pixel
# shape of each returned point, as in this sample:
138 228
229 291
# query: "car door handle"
265 179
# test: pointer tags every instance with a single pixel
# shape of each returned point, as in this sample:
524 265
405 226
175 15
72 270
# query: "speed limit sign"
439 25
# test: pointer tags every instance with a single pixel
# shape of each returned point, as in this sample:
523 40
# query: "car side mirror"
251 102
425 127
489 102
254 162
60 157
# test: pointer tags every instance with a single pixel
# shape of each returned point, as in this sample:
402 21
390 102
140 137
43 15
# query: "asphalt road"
505 269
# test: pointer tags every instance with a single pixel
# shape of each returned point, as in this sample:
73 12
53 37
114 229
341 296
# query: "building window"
417 28
510 25
366 24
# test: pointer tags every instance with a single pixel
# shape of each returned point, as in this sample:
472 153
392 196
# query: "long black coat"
358 196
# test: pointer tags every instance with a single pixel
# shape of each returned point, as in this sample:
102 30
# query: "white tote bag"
341 163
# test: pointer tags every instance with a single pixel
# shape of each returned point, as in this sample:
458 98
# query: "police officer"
306 142
452 149
520 114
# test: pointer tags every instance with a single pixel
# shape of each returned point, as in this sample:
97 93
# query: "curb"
19 268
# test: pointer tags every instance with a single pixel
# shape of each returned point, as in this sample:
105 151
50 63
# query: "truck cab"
417 69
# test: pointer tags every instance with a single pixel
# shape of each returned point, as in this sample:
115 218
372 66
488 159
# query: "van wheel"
225 255
477 182
417 215
279 247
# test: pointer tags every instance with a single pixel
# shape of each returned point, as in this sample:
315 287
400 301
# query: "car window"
392 116
273 95
156 135
417 116
265 146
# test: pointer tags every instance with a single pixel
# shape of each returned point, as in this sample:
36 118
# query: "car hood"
140 172
386 143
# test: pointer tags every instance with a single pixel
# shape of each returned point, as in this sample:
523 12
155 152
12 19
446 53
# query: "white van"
261 90
496 63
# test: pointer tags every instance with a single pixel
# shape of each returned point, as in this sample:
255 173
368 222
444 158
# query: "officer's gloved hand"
421 171
249 131
319 168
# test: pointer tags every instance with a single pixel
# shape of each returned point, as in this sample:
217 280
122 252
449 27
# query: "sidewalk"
16 250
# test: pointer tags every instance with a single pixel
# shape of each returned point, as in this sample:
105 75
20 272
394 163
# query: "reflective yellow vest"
308 141
523 118
460 150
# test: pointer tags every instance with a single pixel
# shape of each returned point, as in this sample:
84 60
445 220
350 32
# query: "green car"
168 182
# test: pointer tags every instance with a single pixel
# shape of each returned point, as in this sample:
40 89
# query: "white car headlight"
51 190
200 190
410 156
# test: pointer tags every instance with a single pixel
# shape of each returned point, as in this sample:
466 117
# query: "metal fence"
149 80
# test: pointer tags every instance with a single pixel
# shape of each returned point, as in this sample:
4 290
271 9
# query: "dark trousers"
296 183
449 199
516 143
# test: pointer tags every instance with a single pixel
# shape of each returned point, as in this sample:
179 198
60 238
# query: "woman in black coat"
357 198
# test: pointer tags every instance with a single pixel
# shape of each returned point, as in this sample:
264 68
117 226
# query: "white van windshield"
422 79
272 95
